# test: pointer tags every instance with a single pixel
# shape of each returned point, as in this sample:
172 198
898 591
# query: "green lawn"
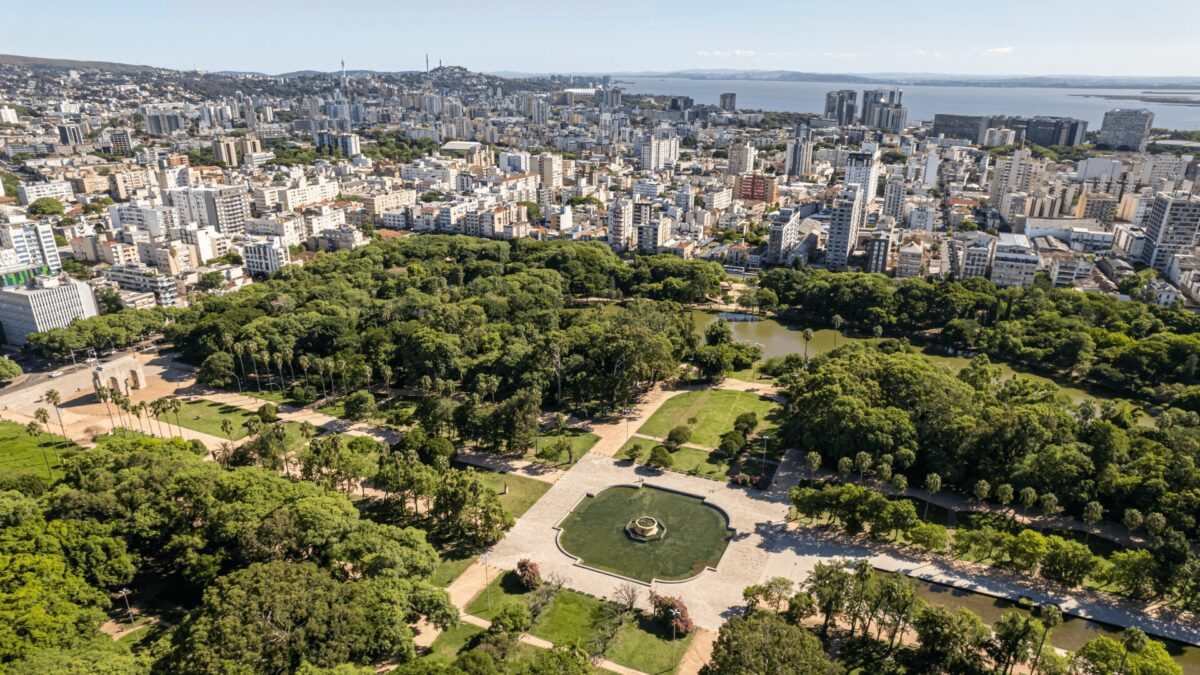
522 492
702 463
695 533
21 453
205 416
505 589
571 619
450 567
450 642
640 646
714 411
581 441
337 408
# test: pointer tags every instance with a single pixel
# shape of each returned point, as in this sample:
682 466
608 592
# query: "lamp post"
674 647
239 383
487 584
765 437
124 595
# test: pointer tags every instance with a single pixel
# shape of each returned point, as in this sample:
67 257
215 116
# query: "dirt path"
698 654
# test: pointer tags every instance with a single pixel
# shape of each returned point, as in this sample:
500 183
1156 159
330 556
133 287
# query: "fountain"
645 528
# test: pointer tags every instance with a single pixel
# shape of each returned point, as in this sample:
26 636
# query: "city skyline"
1068 38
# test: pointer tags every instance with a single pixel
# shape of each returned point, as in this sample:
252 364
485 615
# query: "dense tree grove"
1133 347
285 571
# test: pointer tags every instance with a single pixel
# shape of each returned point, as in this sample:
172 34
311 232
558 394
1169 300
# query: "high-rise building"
756 187
784 235
883 105
741 158
840 106
621 234
225 207
893 199
33 244
1171 228
658 151
1015 262
729 101
844 220
610 97
862 169
550 170
1126 129
799 157
879 251
70 134
122 142
348 144
1016 173
225 150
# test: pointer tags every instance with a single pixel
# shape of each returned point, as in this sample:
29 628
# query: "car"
57 373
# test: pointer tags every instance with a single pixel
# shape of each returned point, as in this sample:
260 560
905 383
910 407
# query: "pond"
1071 635
779 339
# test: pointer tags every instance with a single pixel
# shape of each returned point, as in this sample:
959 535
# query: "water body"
778 339
1071 635
924 101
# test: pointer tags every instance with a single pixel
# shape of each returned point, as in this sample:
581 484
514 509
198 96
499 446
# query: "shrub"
529 574
660 458
672 613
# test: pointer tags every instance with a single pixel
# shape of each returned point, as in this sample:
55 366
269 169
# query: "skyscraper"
729 102
1171 228
799 157
33 244
225 150
844 220
862 169
1126 129
741 158
840 106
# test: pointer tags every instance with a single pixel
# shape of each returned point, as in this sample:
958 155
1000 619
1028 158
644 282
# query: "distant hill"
71 64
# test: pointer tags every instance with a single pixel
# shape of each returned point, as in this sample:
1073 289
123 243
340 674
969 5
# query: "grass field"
639 645
714 411
337 408
581 441
21 453
701 463
205 416
522 492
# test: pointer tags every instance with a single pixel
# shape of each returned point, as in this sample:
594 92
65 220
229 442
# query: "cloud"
736 53
999 50
839 55
928 54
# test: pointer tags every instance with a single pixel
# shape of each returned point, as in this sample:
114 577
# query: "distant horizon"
1090 38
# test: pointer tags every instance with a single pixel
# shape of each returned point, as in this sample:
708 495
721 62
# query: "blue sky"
1094 37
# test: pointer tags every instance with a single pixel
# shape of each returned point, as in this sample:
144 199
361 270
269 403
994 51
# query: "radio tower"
343 74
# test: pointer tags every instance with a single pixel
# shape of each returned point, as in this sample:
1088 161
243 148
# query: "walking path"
765 547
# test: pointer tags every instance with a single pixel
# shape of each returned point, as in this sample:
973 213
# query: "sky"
1014 37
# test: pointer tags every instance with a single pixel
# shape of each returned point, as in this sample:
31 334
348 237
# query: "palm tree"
808 336
35 431
254 362
1133 640
103 394
227 428
278 358
253 426
837 328
43 418
304 363
155 409
331 368
239 348
140 411
287 354
175 405
1051 618
341 366
54 399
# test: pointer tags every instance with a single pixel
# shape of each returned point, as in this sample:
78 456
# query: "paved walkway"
765 547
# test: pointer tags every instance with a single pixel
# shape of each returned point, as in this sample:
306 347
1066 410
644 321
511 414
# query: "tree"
1132 519
929 536
1051 617
762 642
1028 497
45 206
529 574
981 490
933 484
55 399
1013 640
359 405
829 584
660 458
838 321
9 370
679 436
563 660
672 613
807 334
217 370
1067 562
268 413
813 461
949 641
1133 655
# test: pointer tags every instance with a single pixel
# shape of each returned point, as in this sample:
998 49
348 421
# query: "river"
925 101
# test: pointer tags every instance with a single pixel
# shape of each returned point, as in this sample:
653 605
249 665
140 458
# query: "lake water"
777 339
1071 635
924 101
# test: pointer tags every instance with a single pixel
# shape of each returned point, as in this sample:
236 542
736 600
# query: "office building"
46 303
1171 228
729 102
844 220
224 207
70 134
862 169
879 252
140 278
799 156
550 170
784 235
969 127
756 187
347 144
122 142
894 193
1126 129
841 106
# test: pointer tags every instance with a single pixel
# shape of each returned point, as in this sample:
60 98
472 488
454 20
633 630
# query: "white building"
50 302
266 257
1171 228
1015 263
844 220
61 190
33 244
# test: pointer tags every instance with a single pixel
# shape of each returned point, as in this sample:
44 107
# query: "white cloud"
928 54
736 53
839 55
999 50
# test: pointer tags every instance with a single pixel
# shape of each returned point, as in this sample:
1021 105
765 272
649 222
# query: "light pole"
674 647
765 437
239 383
124 595
487 584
